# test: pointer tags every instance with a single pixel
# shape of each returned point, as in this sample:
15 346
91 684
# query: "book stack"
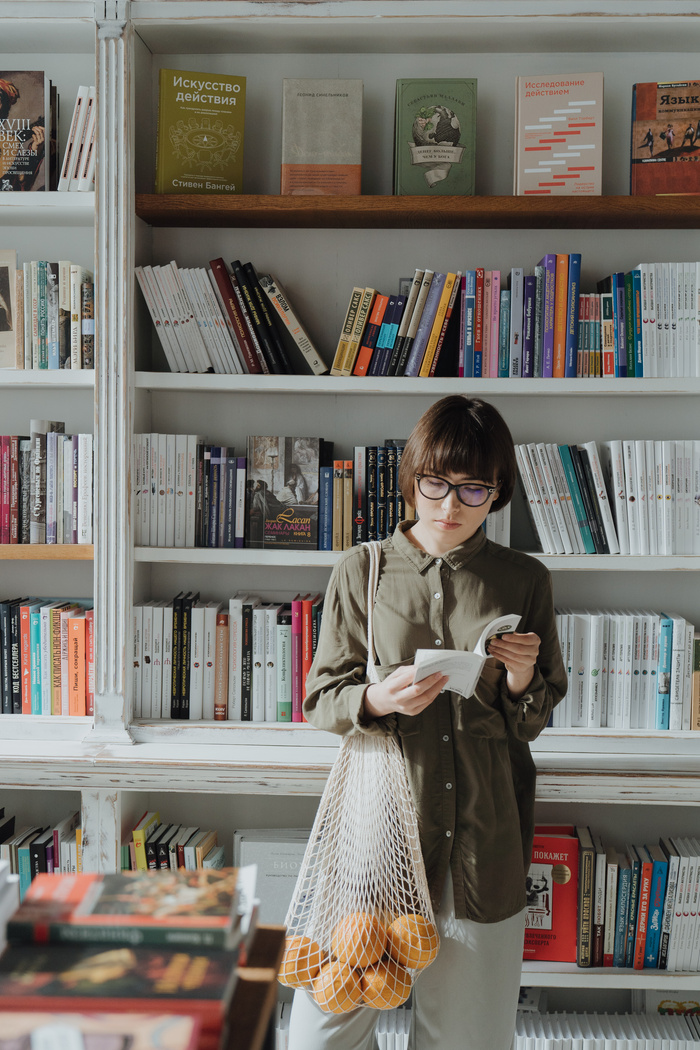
226 320
47 651
30 850
47 311
80 154
153 845
614 1031
145 942
46 485
628 670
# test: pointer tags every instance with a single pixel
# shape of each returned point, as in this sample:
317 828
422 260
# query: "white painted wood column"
113 424
101 824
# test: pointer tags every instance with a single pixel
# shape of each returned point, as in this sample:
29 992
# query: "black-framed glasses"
468 493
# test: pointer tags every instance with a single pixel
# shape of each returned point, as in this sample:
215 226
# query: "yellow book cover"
346 332
437 324
145 827
363 311
201 119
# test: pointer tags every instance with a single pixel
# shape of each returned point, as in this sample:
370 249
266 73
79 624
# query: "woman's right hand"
397 693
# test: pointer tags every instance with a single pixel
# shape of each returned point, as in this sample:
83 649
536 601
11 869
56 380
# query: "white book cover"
497 526
63 440
630 468
228 352
695 320
615 639
649 464
611 869
209 659
463 667
624 671
688 496
201 318
636 679
27 271
602 493
688 676
136 655
541 485
612 462
690 899
171 323
600 868
136 488
192 441
675 355
565 501
235 626
668 453
695 500
670 898
644 305
153 450
563 710
162 276
278 853
658 489
51 471
605 670
166 690
88 157
180 489
678 649
146 658
271 611
161 494
694 958
280 306
534 498
655 627
84 488
655 337
193 334
232 335
552 491
78 274
257 703
580 678
595 668
644 671
157 610
679 498
170 459
517 277
241 474
145 529
75 132
196 662
82 139
661 286
160 322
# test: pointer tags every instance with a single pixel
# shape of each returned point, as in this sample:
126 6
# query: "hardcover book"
201 119
321 136
665 143
435 136
558 135
25 131
552 898
282 491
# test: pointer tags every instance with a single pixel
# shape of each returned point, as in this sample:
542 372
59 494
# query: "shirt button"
438 561
437 594
446 738
448 786
438 642
448 834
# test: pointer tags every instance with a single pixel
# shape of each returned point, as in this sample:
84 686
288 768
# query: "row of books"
47 657
535 1031
226 320
154 845
30 849
246 662
46 485
629 670
47 314
80 153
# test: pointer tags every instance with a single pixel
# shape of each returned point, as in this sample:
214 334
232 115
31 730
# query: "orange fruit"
359 940
385 985
412 941
337 988
300 963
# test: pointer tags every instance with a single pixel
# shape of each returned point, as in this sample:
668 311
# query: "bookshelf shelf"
436 213
47 552
568 975
52 209
40 378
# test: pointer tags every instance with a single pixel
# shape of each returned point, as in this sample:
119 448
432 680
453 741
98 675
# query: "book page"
464 668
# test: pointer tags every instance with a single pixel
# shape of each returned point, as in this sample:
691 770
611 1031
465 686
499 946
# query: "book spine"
296 661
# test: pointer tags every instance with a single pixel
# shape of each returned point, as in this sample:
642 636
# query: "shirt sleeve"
337 681
528 716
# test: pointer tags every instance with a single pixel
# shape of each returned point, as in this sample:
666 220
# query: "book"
558 135
201 123
462 667
551 888
586 880
282 479
292 325
25 109
329 162
664 138
98 1031
9 310
435 136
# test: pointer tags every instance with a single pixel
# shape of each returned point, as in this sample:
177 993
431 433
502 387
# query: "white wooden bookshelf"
263 774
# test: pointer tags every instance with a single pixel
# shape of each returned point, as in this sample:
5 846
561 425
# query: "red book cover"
5 488
479 323
240 325
561 284
297 664
643 906
486 325
552 899
25 659
307 653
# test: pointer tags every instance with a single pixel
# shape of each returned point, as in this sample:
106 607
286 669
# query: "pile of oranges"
368 963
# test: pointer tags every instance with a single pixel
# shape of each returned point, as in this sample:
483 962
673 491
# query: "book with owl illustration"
435 136
201 119
551 888
321 136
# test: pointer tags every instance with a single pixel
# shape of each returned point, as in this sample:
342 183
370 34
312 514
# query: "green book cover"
435 136
201 120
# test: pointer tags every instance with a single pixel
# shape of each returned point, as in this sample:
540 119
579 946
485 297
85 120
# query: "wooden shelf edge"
47 552
401 212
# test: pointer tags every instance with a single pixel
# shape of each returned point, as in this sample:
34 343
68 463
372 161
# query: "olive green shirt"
468 761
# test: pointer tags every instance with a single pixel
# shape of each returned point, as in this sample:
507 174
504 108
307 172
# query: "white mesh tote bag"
360 924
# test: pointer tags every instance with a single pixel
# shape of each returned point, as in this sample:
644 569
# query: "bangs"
463 452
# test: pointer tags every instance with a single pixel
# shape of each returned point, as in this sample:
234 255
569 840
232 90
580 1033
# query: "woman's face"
445 523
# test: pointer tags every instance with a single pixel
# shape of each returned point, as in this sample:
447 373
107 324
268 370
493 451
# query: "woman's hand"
519 653
397 693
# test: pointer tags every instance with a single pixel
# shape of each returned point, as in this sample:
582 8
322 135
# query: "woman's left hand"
519 653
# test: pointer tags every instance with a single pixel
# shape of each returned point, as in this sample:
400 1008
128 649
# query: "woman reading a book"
468 760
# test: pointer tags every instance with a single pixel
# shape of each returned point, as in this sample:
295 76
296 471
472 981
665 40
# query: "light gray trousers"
466 1000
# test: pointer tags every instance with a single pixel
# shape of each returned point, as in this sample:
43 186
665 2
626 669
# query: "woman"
468 761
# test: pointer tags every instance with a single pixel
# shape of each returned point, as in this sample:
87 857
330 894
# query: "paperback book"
25 131
201 120
464 668
552 898
665 144
321 136
435 136
283 491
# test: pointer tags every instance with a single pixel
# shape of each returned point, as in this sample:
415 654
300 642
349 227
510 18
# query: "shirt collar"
456 558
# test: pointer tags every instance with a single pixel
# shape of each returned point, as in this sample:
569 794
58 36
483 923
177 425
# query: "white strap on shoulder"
374 549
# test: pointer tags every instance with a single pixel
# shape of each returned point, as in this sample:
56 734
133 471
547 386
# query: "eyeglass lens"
437 488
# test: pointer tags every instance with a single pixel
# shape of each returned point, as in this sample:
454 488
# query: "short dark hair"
460 435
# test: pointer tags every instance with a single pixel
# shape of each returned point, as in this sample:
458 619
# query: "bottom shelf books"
100 1031
597 904
614 1031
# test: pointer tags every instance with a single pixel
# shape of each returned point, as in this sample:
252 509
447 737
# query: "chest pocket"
481 714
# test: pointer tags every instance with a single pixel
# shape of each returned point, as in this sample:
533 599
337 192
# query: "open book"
464 668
